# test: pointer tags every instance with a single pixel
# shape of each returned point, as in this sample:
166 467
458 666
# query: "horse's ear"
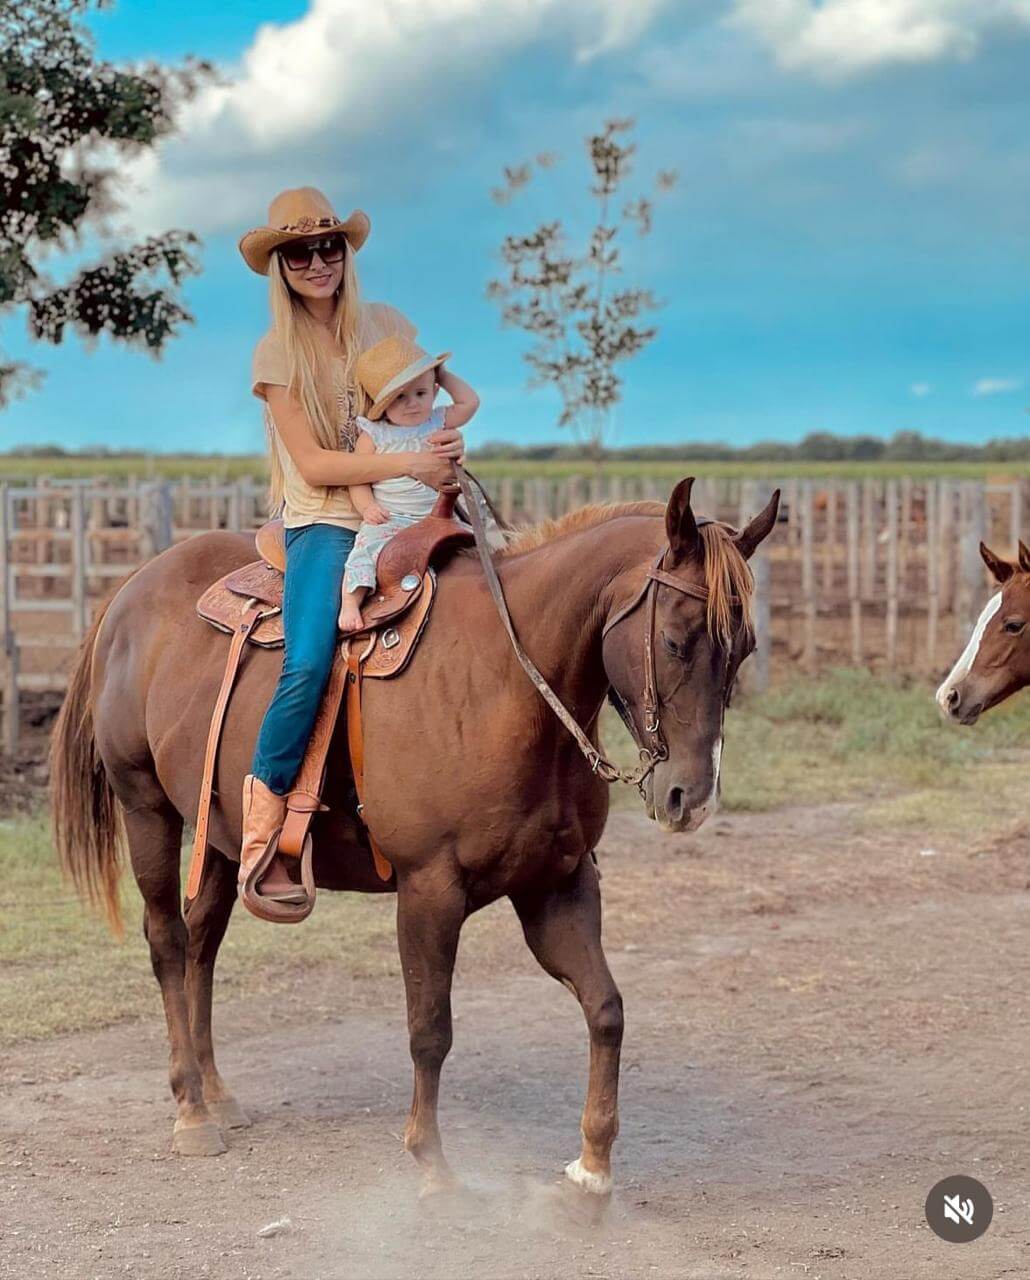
1001 569
680 525
758 529
1024 557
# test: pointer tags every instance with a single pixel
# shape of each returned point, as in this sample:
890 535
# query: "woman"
304 371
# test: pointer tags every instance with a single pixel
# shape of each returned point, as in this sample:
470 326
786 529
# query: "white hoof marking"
598 1184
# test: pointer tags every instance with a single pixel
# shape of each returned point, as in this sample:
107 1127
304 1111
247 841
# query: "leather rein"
655 749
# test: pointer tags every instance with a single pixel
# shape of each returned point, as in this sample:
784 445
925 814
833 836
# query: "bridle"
654 749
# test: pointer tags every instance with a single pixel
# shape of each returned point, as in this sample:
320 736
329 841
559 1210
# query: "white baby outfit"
405 498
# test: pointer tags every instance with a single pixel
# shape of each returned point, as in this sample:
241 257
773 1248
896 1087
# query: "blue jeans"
315 558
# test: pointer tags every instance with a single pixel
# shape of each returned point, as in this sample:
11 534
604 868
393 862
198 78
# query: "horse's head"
996 662
672 651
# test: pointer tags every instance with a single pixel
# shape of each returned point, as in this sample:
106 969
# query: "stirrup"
266 908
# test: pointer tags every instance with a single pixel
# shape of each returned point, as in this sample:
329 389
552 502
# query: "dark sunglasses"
298 256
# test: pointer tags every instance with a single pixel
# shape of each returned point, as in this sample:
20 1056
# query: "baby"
401 380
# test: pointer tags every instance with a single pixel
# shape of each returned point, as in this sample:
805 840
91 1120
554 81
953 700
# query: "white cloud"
348 71
920 389
995 386
841 38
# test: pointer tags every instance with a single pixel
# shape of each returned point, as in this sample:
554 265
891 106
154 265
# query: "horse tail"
84 813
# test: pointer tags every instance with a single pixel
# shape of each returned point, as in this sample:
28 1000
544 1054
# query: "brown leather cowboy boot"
263 815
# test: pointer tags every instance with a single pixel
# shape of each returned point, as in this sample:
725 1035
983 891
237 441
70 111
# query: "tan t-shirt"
316 504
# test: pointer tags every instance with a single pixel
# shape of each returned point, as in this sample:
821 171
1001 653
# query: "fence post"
80 603
155 518
507 499
1016 516
752 498
830 545
933 577
868 541
7 637
905 530
763 620
854 591
974 527
235 507
808 576
946 538
891 498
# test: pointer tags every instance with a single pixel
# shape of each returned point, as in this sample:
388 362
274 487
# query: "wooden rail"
880 573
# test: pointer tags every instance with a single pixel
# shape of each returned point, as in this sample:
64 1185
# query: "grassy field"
844 737
237 467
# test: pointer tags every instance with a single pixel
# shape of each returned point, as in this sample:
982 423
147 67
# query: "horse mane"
728 575
537 535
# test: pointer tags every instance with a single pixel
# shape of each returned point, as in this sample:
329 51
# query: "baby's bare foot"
350 618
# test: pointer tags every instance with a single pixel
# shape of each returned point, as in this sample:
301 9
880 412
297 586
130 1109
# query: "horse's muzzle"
956 705
672 809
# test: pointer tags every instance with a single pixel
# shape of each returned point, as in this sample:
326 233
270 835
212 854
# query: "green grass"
846 736
849 735
61 970
152 466
236 467
754 470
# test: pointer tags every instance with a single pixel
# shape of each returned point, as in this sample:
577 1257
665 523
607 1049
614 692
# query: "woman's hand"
448 443
431 468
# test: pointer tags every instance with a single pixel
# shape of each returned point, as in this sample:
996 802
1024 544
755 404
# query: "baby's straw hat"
295 215
386 369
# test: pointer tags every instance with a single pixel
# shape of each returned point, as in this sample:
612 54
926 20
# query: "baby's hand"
375 514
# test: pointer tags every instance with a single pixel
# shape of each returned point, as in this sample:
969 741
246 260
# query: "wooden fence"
879 573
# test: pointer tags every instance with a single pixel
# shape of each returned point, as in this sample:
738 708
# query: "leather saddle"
401 573
247 604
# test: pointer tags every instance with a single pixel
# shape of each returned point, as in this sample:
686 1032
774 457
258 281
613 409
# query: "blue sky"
847 249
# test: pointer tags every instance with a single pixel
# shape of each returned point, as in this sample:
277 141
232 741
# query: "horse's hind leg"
154 836
563 929
430 913
207 917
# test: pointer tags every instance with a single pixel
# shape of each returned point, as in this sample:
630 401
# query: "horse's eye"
1014 626
677 650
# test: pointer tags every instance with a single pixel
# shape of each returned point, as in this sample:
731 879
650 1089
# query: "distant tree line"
819 446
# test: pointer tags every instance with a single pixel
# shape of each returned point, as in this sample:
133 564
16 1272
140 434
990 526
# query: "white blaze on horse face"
705 811
964 665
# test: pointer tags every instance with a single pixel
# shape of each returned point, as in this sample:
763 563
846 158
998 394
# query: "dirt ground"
822 1021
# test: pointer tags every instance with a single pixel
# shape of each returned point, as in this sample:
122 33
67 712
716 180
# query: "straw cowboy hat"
386 369
296 215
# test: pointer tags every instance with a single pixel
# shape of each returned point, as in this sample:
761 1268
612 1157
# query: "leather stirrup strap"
214 735
356 746
304 801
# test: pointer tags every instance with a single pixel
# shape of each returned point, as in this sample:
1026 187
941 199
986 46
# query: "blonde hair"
324 395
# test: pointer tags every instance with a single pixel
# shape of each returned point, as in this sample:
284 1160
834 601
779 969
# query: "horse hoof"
595 1184
563 1206
228 1114
203 1139
438 1189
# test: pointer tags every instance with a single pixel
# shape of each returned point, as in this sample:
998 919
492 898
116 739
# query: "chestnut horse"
473 789
996 662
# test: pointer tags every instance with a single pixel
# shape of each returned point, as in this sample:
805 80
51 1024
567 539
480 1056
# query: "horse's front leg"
431 909
563 929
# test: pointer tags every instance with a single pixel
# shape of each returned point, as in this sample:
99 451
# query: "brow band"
687 588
